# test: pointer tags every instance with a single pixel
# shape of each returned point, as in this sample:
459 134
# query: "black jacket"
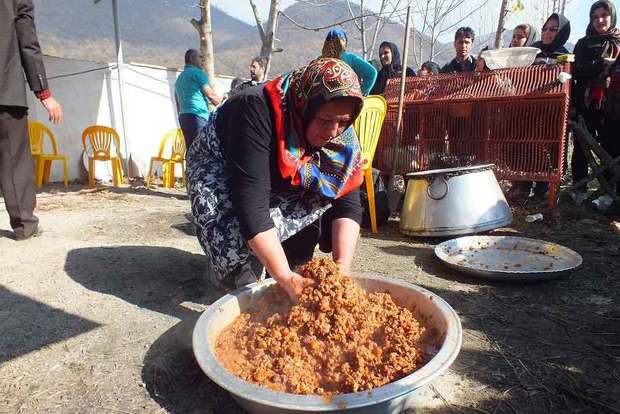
590 52
19 53
245 127
391 71
455 67
549 53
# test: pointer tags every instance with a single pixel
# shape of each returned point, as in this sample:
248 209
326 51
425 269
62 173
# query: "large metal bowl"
508 258
432 311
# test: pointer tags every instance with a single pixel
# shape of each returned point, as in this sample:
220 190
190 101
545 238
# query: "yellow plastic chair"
368 128
101 139
175 140
42 161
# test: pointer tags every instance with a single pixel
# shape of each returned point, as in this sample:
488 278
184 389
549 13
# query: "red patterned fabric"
336 168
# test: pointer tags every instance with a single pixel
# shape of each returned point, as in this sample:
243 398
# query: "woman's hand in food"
344 266
267 247
293 283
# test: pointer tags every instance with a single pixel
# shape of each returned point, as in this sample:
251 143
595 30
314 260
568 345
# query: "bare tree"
372 22
503 13
434 19
517 6
437 17
267 32
203 26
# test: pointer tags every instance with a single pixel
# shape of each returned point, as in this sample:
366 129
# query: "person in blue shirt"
335 46
192 93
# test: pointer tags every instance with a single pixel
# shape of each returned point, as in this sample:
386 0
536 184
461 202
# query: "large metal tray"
508 258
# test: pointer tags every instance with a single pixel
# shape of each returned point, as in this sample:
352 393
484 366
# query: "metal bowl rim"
261 395
450 170
461 231
442 256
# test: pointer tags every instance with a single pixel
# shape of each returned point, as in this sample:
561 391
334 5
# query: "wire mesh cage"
514 118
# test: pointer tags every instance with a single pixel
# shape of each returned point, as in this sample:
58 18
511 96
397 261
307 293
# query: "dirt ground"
96 314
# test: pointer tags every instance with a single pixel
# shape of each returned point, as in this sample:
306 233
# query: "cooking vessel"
432 311
453 201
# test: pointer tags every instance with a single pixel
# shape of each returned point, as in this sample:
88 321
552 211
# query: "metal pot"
392 398
453 201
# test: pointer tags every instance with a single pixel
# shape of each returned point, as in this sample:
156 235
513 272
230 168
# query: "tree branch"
464 18
259 23
353 15
316 29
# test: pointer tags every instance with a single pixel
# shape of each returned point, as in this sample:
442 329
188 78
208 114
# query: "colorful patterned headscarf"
335 44
336 168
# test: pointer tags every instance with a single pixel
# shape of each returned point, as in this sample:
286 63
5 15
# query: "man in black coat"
463 44
20 54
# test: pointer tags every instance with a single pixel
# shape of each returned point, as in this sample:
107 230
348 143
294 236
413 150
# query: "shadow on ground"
174 379
160 279
152 277
137 188
27 325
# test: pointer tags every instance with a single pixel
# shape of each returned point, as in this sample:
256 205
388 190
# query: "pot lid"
451 170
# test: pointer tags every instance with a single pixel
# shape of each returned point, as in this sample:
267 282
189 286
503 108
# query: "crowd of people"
276 169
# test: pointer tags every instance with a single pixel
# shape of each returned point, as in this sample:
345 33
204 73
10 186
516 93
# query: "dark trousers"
579 163
299 248
17 170
606 133
191 125
610 141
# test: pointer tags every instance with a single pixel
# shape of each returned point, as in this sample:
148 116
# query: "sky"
576 12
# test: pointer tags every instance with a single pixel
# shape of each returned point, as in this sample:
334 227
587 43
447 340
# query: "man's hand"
53 109
211 95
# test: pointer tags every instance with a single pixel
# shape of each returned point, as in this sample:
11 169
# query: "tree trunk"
503 12
379 22
269 44
363 30
267 34
432 48
203 26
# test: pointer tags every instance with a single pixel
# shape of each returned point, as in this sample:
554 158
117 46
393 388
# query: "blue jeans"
191 125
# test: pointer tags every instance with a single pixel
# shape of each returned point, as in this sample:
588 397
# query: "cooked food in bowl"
337 339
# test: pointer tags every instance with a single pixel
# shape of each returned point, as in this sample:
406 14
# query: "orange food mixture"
337 339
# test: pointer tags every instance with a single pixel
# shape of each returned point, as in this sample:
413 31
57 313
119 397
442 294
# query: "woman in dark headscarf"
555 34
274 166
523 35
594 55
391 67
